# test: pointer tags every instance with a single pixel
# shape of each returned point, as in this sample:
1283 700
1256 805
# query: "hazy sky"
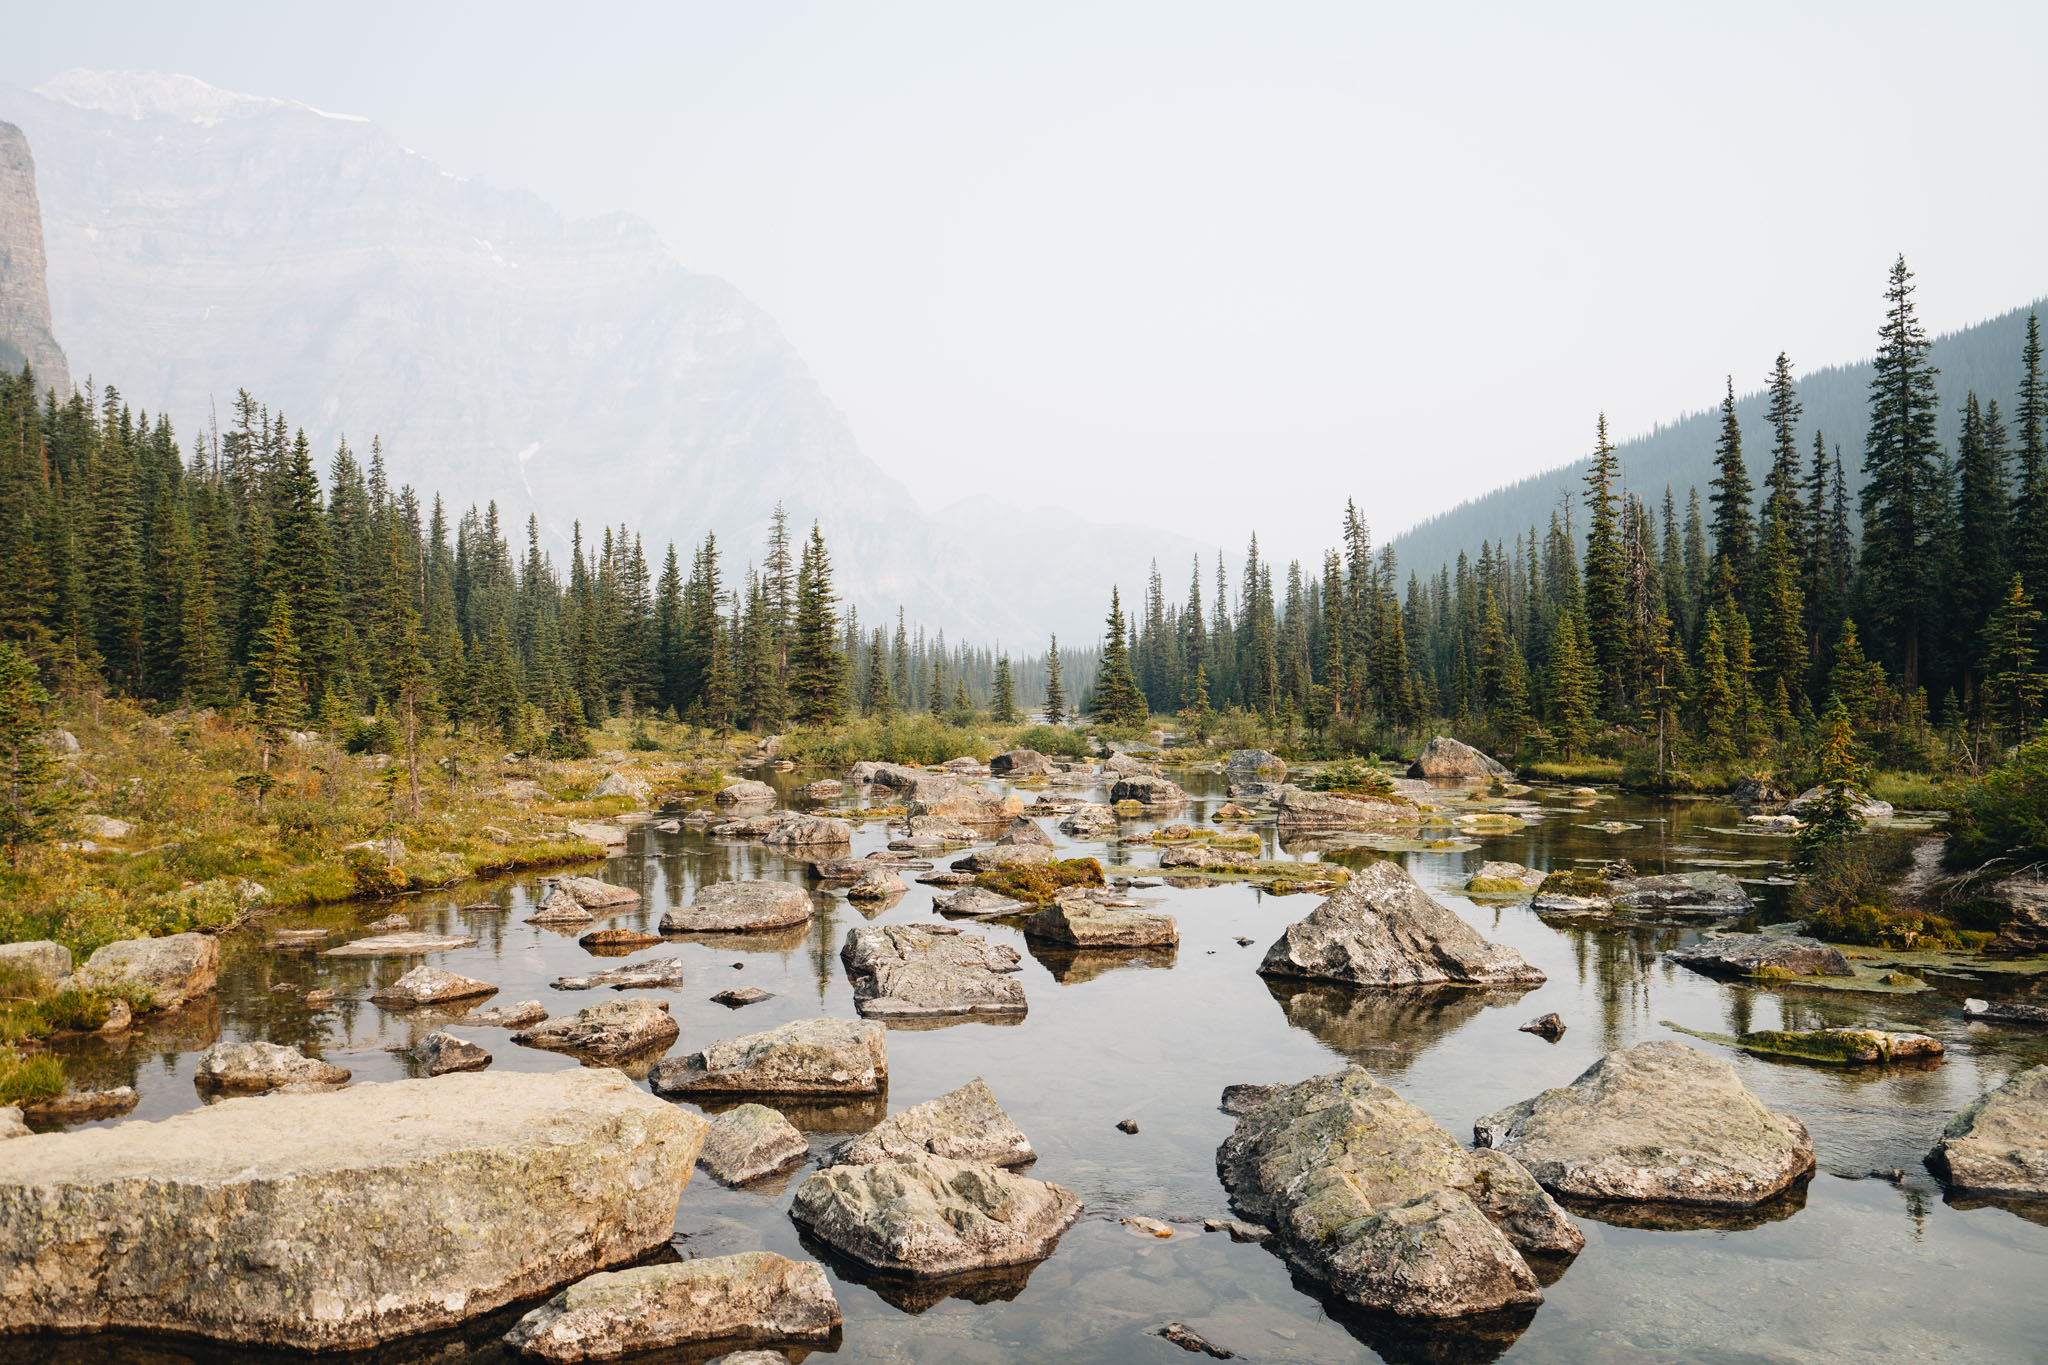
1210 266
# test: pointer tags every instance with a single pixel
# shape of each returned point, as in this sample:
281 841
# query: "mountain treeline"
229 574
1709 628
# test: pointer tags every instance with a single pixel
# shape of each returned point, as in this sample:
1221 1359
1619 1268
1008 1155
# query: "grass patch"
1570 882
23 1079
1577 770
1039 884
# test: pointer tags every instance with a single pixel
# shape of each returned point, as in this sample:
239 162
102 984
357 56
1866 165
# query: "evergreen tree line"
228 573
1712 632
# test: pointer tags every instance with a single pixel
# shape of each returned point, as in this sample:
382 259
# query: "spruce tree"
1781 622
1003 708
1715 697
275 687
1055 694
876 697
32 804
1782 501
817 669
1606 585
2014 684
1574 685
2030 498
1901 482
1117 698
1733 525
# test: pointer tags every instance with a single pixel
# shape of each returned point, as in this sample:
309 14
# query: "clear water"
1861 1268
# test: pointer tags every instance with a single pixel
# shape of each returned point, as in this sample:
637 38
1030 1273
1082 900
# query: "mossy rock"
1571 883
1495 886
1040 883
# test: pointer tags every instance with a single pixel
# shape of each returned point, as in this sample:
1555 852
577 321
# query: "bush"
1912 931
921 738
28 1078
376 734
1852 873
1573 883
1351 778
2004 815
1062 741
1040 883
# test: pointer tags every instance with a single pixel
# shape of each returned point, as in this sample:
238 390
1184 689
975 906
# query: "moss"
1571 883
1039 883
1494 886
1835 1047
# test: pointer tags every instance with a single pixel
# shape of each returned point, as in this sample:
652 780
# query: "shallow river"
1862 1267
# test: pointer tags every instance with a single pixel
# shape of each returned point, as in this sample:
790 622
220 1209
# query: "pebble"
1128 1126
1148 1227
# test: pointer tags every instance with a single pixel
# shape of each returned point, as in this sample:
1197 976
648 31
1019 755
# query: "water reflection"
1384 1031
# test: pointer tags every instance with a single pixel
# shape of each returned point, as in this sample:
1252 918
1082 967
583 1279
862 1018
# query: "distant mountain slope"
1985 357
25 333
202 240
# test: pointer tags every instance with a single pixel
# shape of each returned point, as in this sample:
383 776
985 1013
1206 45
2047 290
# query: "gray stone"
750 1141
262 1066
810 831
80 1106
1004 855
40 959
620 784
441 1053
1020 763
929 1216
559 907
616 1028
243 1221
1369 1197
1024 831
398 945
1091 817
390 924
739 907
507 1016
914 971
173 969
1865 806
977 901
877 884
1159 793
1300 810
104 827
962 804
425 985
1239 1100
12 1125
2005 1012
1203 858
1254 765
593 894
2025 903
1752 954
824 789
1498 879
1659 1122
1381 929
1550 1026
808 1057
753 1296
1086 924
745 794
1710 893
604 834
1998 1143
745 995
1444 757
965 1125
654 974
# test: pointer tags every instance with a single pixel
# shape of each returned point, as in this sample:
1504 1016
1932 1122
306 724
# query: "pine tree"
32 804
817 670
1854 681
1976 565
1733 525
2013 683
1117 697
2030 499
1900 482
1574 684
275 687
1055 694
1834 820
1782 484
1716 696
1781 622
1607 612
1003 710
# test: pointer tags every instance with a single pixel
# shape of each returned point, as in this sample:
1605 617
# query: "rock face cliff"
25 331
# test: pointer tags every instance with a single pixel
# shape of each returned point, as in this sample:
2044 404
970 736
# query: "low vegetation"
1041 883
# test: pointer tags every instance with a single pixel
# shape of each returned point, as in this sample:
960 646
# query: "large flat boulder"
245 1221
1861 803
1658 1122
809 831
1020 763
1085 924
616 1028
593 894
1004 855
1025 830
1502 879
1254 765
1762 955
978 902
1444 757
1302 810
750 1141
741 907
42 959
961 803
1710 894
425 985
965 1125
1158 793
1998 1143
924 1215
398 945
745 794
1381 929
1369 1197
808 1057
922 971
658 973
173 969
254 1066
752 1297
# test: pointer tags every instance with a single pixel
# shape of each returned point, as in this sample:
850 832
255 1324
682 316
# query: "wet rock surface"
262 1066
1085 924
914 971
808 1057
442 1053
1658 1122
1841 1046
1444 757
750 1297
654 974
616 1028
401 945
964 1125
749 1141
173 969
1381 929
926 1215
425 985
1998 1144
1305 810
1368 1197
741 907
1762 955
978 902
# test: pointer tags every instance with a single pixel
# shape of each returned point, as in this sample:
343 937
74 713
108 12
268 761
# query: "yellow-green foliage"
1571 883
28 1078
1039 883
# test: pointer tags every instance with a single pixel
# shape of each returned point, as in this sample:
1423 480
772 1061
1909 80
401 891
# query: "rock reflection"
1425 1341
814 1118
1649 1216
1385 1031
1072 966
999 1284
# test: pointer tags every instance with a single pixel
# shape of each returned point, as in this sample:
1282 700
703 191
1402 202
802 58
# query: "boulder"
40 959
808 1057
1004 855
390 924
654 974
1158 793
397 945
878 884
593 894
1090 817
104 827
242 1221
173 969
750 1141
1239 1100
923 1215
894 776
1085 924
262 1066
82 1106
1840 1046
620 784
1120 765
2024 900
2005 1012
1547 1026
920 971
1020 763
745 794
1367 1196
613 942
559 907
754 1296
965 765
507 1016
977 901
616 1028
1254 765
738 907
61 743
603 833
965 805
425 985
441 1053
744 995
1657 1122
1754 792
964 1125
1023 832
1300 810
12 1125
810 831
1998 1143
1381 929
824 789
1866 806
1444 757
1762 955
1711 894
1502 879
1203 858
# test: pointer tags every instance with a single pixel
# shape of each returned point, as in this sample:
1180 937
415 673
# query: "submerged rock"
1085 924
808 831
2005 1012
1444 757
1381 929
399 945
977 901
1713 894
750 1141
173 969
1762 955
745 995
559 907
1657 1122
914 971
593 894
613 942
1841 1046
425 985
653 974
1367 1196
928 1215
1300 810
964 1125
1548 1026
1202 858
741 907
507 1016
441 1053
745 794
808 1057
126 1227
754 1296
877 884
616 1028
262 1066
1998 1143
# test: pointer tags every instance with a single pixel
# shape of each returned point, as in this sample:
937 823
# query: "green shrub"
1062 741
28 1078
1574 883
1039 883
1351 778
2005 814
921 739
1857 871
378 734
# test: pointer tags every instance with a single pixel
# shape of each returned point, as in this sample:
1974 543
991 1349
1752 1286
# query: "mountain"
25 333
1985 357
202 241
